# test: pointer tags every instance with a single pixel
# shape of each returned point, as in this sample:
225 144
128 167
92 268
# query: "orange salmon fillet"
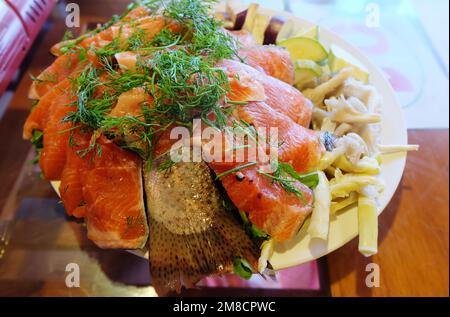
106 34
37 119
273 60
56 138
243 37
269 206
113 193
71 187
300 147
279 95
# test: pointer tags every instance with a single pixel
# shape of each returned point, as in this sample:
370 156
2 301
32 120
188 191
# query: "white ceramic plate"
344 227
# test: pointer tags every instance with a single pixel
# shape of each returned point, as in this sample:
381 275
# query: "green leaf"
37 139
311 179
254 231
236 169
242 268
38 142
258 233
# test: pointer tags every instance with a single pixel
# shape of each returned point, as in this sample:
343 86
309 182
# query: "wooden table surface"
413 231
413 241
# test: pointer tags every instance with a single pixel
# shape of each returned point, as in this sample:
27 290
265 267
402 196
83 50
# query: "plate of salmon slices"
213 138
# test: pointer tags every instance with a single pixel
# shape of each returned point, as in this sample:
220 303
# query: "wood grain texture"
413 231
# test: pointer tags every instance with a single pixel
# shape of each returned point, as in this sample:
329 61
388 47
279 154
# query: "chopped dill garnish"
252 229
68 35
132 222
86 84
109 49
34 103
183 81
236 169
37 139
46 77
207 38
287 177
164 38
166 165
185 85
35 79
137 39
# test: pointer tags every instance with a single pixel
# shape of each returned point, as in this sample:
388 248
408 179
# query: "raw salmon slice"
130 103
63 67
71 187
38 117
279 95
273 60
56 138
269 206
149 26
137 13
243 37
299 146
243 87
113 196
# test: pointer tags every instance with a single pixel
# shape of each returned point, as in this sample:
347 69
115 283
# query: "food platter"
343 225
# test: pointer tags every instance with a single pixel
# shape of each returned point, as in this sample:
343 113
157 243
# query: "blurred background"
409 41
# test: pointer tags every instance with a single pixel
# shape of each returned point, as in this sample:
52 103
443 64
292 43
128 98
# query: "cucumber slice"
338 59
305 48
306 70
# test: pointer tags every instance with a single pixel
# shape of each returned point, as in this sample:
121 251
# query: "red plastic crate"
20 22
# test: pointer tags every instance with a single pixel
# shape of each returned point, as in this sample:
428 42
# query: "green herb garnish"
253 230
242 268
287 176
236 169
37 139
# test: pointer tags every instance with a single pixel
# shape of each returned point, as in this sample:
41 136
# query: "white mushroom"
350 110
354 146
318 94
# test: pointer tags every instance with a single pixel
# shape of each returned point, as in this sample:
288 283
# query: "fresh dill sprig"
37 139
207 38
185 85
236 169
183 81
109 49
166 165
137 39
164 38
68 35
89 112
72 45
287 177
